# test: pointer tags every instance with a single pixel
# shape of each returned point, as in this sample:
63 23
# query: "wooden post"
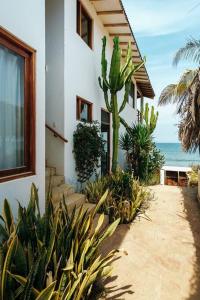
141 109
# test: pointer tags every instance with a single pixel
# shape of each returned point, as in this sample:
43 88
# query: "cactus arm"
115 65
109 108
133 69
100 82
146 114
126 95
150 118
105 91
128 60
104 63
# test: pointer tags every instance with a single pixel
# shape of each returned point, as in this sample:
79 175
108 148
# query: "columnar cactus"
120 77
150 119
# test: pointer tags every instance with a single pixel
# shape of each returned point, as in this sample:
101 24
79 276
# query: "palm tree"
186 95
191 51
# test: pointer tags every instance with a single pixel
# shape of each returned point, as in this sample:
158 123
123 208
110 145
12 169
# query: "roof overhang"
115 20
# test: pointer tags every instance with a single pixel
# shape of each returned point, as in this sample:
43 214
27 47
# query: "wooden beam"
120 34
116 25
124 56
126 43
110 12
140 74
125 50
138 78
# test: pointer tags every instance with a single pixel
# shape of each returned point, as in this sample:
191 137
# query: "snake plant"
119 78
51 256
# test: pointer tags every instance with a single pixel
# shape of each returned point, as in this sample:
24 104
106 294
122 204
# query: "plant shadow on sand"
192 212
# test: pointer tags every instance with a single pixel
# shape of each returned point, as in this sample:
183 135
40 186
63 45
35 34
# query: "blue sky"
161 28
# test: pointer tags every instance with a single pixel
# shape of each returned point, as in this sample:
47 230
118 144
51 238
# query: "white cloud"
157 17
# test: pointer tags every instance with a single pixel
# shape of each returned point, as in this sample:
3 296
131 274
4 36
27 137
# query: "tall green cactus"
150 119
120 77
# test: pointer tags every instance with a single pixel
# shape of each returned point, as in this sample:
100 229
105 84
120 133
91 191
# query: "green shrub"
125 195
88 149
144 160
156 162
51 256
193 176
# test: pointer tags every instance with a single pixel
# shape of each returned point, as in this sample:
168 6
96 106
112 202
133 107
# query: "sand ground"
160 256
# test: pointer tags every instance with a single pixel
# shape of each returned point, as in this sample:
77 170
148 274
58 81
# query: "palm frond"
191 51
168 95
174 93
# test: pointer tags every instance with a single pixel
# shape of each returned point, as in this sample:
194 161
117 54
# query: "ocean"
175 156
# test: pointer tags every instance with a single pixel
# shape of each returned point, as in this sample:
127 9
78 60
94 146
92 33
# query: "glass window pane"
11 109
84 112
85 25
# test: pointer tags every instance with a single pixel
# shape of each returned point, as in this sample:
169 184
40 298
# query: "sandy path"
163 260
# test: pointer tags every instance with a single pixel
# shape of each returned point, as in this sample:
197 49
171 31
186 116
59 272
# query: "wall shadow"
192 211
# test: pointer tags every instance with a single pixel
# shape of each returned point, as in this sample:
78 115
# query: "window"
84 110
84 24
132 101
17 108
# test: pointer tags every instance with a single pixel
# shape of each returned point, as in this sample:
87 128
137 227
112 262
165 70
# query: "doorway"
105 133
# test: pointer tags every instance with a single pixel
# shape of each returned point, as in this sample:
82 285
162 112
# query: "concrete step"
75 200
56 180
50 171
58 192
86 207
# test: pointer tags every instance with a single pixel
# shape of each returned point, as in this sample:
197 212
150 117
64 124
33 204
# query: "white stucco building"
55 48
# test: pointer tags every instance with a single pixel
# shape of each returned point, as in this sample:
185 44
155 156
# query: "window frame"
79 101
80 9
14 44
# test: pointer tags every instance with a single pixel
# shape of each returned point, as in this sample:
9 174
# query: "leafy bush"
193 176
124 199
137 142
53 256
156 162
88 148
143 157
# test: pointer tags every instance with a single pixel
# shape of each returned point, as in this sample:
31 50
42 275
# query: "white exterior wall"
82 68
55 82
26 20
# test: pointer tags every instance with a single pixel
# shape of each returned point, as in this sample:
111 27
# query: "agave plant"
120 78
125 196
53 256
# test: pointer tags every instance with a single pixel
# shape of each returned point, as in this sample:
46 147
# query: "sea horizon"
175 156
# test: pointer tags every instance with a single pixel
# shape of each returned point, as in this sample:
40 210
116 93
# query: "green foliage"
120 76
156 162
193 176
125 195
88 148
53 256
138 153
143 158
150 119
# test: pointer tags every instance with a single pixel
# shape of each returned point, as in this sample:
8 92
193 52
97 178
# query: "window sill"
16 176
